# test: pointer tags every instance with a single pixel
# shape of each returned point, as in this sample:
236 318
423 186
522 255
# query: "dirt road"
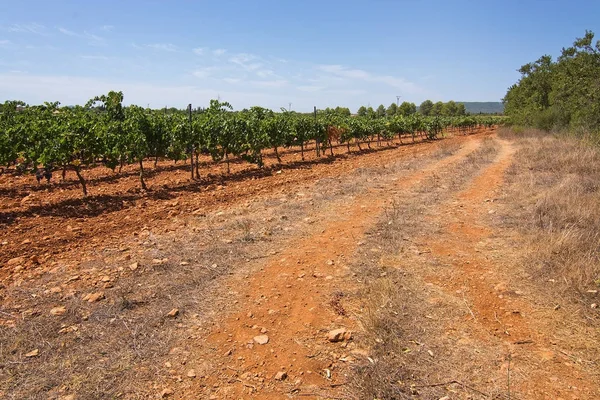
239 301
296 298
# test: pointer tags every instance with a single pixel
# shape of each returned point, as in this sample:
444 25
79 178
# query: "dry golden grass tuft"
554 192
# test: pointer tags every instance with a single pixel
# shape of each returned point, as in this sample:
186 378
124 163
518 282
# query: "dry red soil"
49 236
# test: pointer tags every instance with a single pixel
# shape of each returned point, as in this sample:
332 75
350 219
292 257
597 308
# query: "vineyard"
46 138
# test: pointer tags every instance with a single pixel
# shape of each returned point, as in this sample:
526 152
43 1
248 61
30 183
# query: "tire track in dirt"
499 317
289 301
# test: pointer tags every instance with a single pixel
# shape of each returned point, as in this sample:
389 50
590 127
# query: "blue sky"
272 53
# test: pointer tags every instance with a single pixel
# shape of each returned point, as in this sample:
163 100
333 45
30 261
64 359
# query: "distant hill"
485 107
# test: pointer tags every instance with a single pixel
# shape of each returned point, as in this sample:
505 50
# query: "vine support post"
317 134
189 109
142 182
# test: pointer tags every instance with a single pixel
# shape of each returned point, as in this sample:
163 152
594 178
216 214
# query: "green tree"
407 108
426 107
362 111
449 109
343 111
392 110
370 112
380 113
437 109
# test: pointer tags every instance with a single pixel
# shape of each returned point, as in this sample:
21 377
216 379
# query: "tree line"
427 108
106 132
561 94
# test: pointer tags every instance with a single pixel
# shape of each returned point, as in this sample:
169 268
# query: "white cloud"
93 39
310 88
242 93
361 75
67 32
93 57
265 73
219 52
107 28
204 72
5 43
248 62
199 50
277 83
70 90
27 28
344 72
163 47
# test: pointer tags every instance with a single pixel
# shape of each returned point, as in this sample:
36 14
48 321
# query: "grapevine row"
104 131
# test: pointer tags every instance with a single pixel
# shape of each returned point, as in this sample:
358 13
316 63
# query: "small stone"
67 397
261 339
34 259
26 241
594 305
338 335
15 261
280 376
57 311
263 330
173 313
33 353
330 262
67 329
166 393
134 266
94 297
191 373
105 278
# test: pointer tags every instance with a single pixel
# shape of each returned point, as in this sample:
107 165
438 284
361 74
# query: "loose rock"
33 353
94 297
280 376
57 311
173 313
338 335
261 339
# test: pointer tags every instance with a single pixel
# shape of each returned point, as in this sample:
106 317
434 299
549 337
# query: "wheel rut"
291 300
499 316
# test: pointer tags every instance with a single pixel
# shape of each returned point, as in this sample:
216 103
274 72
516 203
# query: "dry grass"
554 192
409 352
446 149
121 343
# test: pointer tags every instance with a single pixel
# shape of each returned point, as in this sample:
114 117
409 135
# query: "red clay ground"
297 233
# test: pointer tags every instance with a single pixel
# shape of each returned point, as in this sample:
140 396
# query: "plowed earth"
227 288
